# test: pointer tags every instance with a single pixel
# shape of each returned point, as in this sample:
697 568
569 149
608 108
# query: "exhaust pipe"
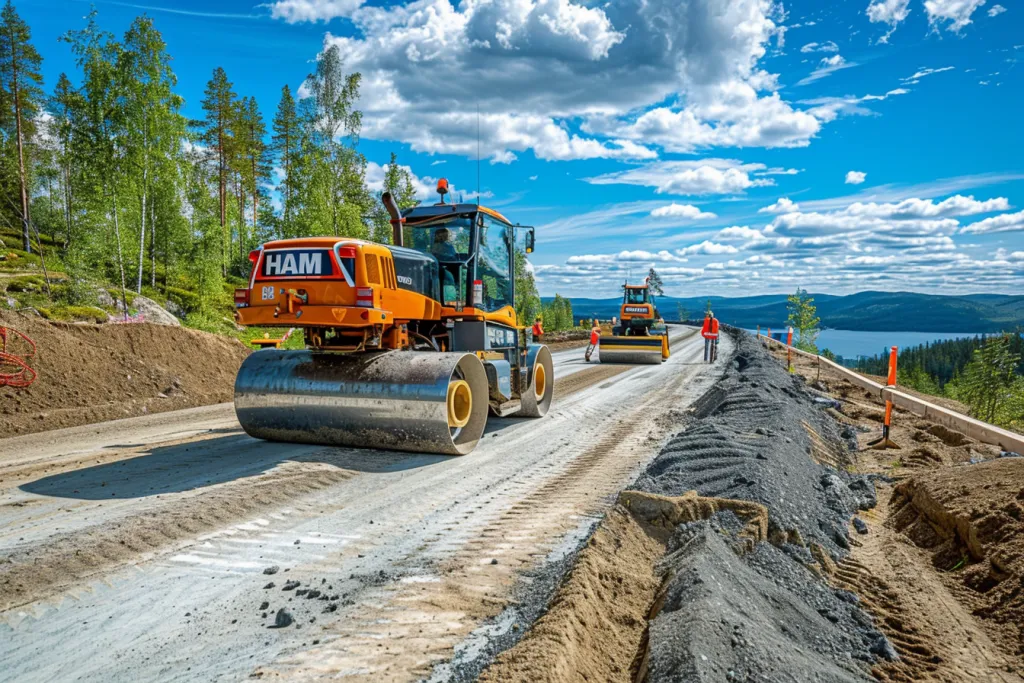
396 218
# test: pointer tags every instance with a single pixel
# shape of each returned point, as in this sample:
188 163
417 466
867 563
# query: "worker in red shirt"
538 330
595 337
710 333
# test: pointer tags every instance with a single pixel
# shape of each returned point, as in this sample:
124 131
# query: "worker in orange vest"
538 330
710 333
595 337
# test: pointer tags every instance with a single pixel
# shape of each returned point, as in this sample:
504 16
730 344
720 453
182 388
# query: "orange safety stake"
789 349
885 442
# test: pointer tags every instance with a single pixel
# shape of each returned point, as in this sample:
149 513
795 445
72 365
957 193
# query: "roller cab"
408 346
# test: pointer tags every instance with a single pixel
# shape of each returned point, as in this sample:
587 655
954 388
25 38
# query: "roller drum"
630 350
415 401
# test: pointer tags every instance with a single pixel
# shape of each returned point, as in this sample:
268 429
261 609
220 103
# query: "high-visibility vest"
595 335
537 330
710 328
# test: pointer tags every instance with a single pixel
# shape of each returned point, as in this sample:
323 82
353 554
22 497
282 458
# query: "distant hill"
863 311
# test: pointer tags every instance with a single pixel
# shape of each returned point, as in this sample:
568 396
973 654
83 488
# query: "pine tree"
219 105
285 147
21 80
655 283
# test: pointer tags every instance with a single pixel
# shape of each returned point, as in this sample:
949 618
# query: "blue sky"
739 146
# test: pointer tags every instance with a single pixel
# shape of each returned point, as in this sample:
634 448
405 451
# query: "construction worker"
710 333
595 337
538 330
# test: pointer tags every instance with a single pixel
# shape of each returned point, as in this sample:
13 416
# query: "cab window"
492 267
636 296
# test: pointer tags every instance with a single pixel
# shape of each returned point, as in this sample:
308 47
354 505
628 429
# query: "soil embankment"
94 373
939 563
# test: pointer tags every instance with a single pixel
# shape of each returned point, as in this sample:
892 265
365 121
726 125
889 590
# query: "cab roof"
435 210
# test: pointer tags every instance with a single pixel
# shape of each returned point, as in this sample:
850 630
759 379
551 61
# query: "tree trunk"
152 246
142 218
67 206
222 162
120 255
22 179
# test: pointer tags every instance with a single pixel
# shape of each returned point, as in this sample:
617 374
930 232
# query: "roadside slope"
94 373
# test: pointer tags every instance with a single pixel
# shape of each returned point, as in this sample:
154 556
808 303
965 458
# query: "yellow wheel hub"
460 403
540 381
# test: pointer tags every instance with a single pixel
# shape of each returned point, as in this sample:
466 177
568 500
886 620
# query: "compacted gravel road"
175 547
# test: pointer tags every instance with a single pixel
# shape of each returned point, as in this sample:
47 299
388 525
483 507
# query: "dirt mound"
93 373
597 620
972 519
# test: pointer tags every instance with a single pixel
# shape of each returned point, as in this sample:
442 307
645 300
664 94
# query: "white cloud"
830 46
635 256
955 13
827 67
438 162
996 10
891 12
911 80
1007 222
425 187
298 11
957 205
741 233
708 248
591 80
688 211
706 176
855 177
783 205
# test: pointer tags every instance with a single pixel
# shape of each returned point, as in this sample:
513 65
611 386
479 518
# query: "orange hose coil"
14 370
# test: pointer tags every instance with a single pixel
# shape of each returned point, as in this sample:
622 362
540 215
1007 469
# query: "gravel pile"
765 615
751 442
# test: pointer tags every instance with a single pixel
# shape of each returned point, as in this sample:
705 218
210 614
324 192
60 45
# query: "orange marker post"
885 441
789 349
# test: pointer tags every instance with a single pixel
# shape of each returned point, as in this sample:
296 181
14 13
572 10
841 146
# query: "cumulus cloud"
955 14
957 205
891 12
299 11
688 211
375 180
783 205
996 10
590 80
855 177
1007 222
709 248
706 176
741 233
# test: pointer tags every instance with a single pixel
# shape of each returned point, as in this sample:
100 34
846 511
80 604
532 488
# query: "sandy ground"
94 373
144 549
940 564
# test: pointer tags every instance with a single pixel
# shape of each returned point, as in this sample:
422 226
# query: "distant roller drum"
414 401
639 350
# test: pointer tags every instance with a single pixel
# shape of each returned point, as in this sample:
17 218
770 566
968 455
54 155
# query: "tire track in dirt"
403 630
65 560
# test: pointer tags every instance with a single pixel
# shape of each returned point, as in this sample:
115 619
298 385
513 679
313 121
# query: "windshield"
636 296
447 238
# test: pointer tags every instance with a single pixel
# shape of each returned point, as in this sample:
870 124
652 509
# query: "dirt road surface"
166 547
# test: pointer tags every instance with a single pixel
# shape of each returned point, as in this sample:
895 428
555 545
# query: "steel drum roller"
400 400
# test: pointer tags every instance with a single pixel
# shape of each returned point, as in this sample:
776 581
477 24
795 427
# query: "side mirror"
530 240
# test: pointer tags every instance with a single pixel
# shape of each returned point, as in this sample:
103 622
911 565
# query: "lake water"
851 344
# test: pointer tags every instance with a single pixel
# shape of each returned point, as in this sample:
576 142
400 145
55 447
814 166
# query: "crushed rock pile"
728 612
